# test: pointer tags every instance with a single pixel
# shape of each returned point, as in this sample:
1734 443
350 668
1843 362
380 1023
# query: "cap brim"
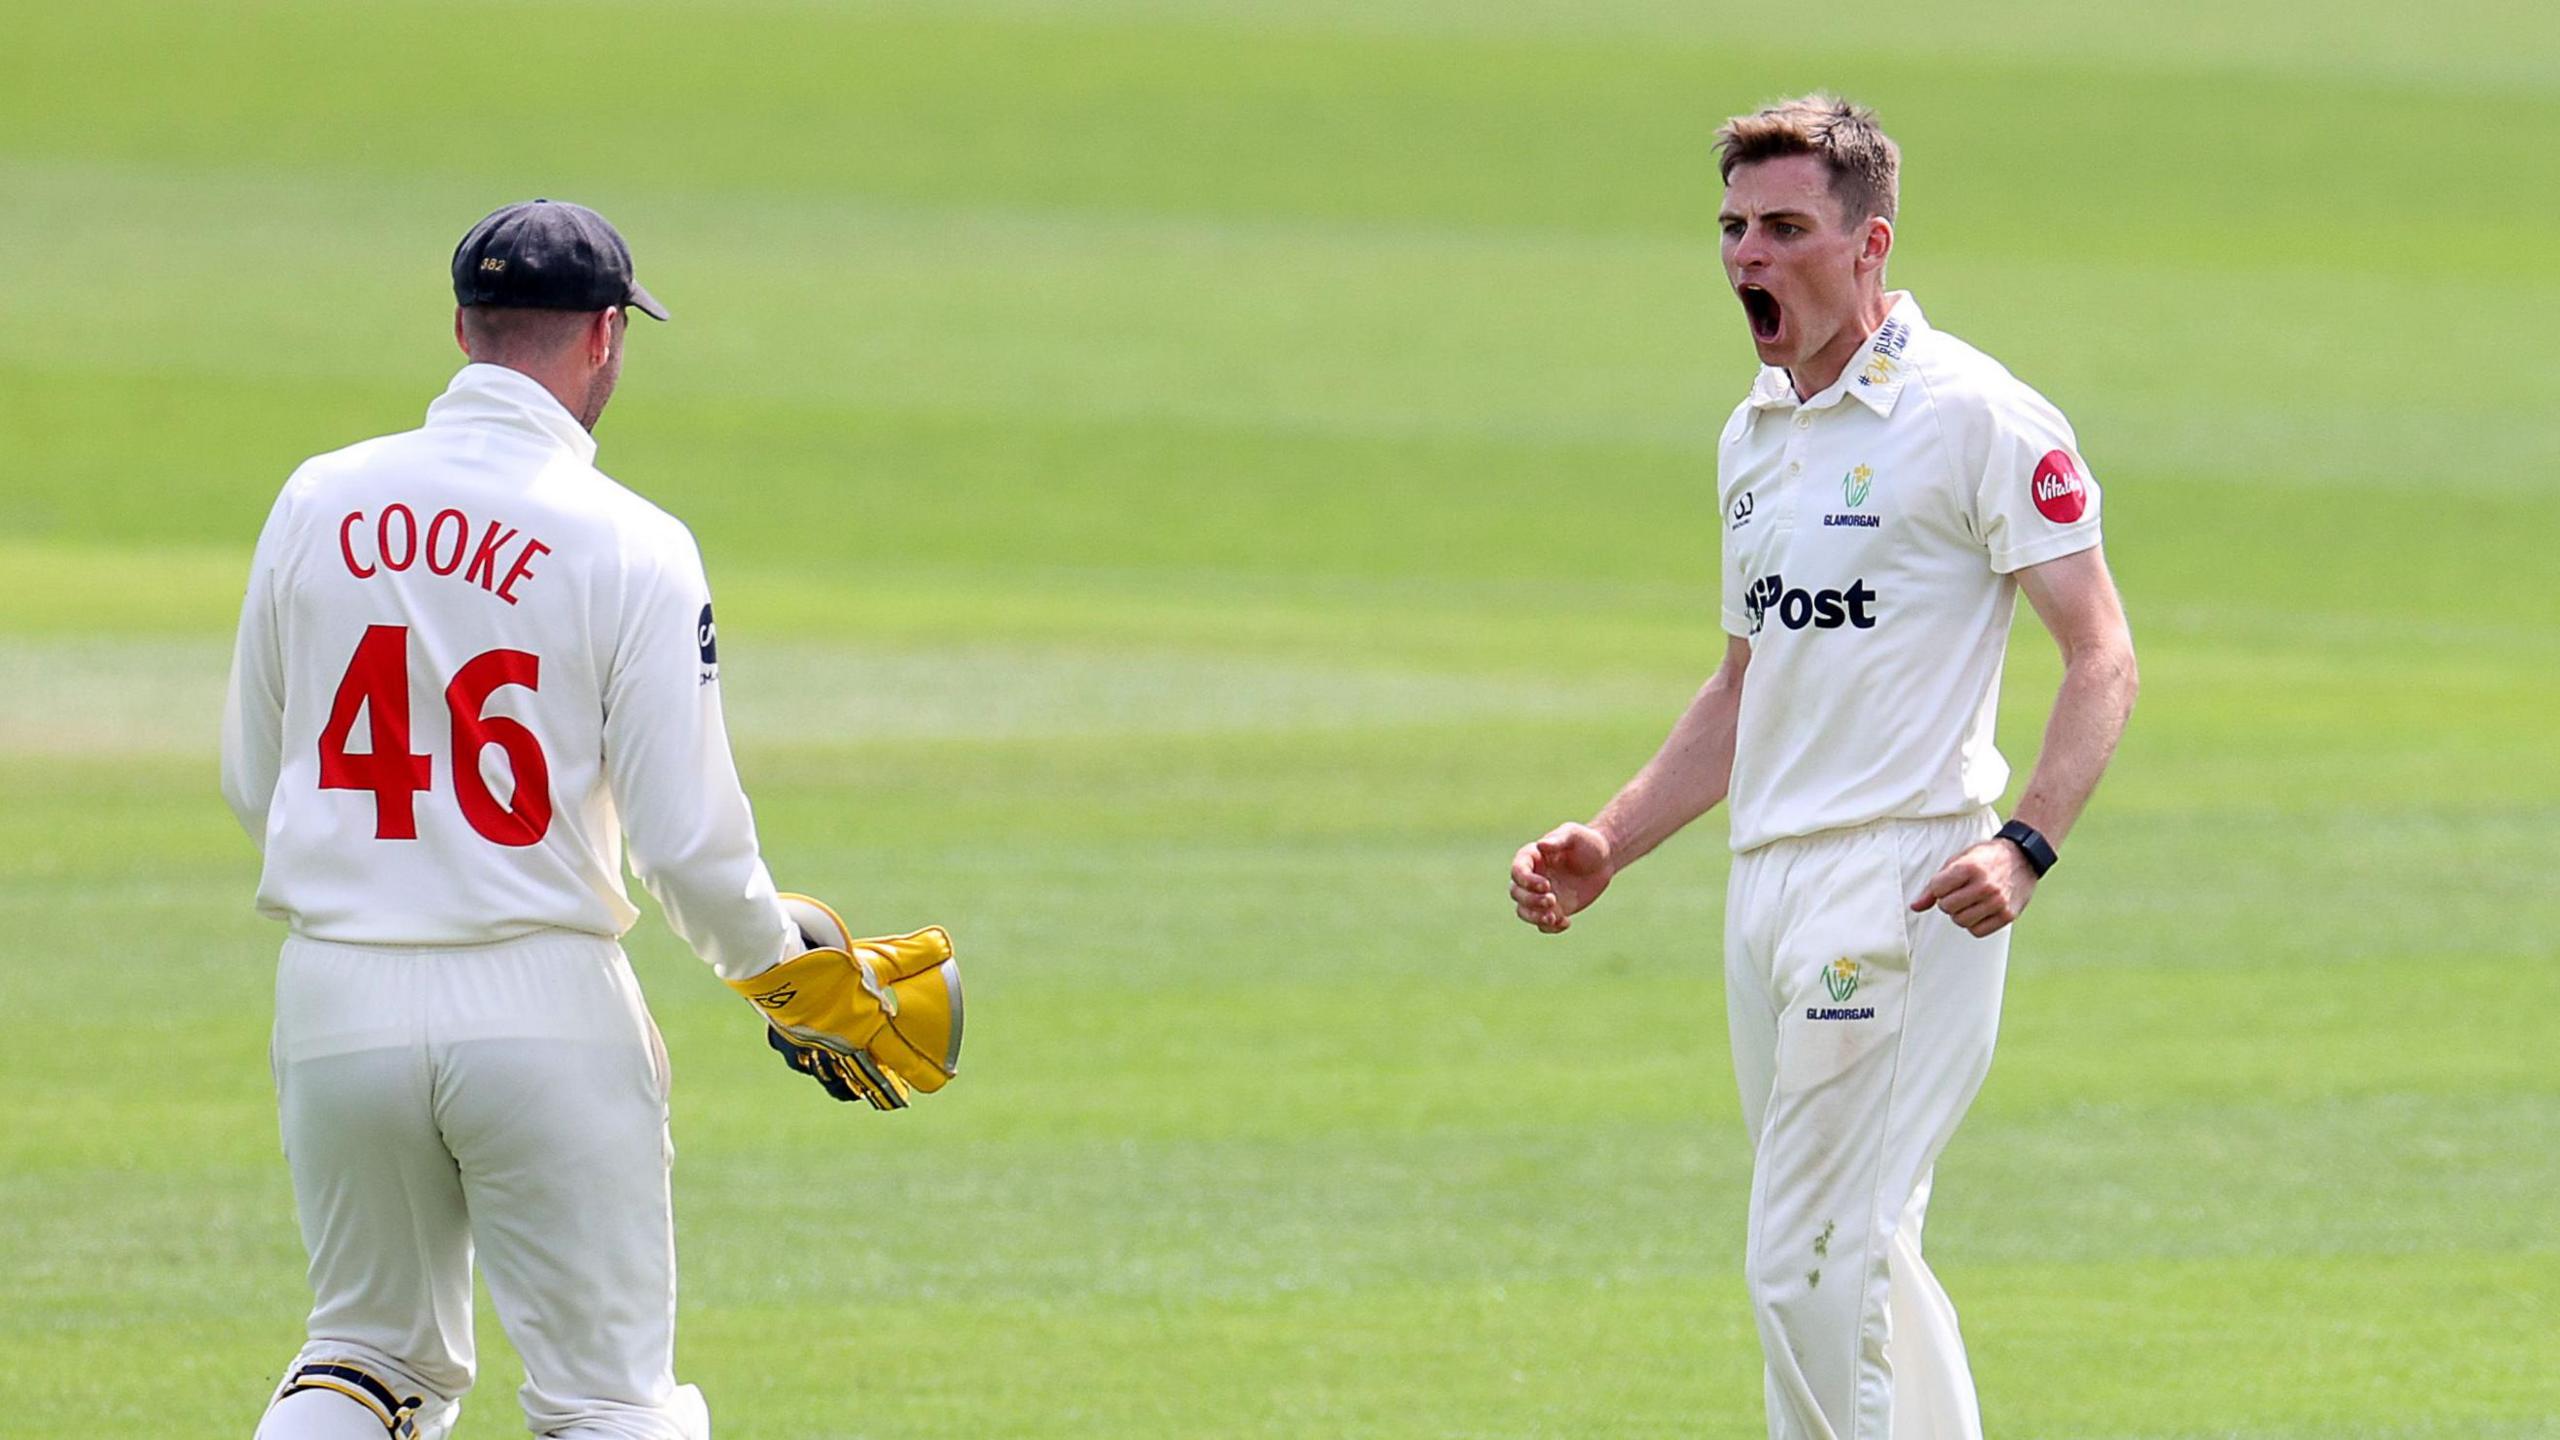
646 303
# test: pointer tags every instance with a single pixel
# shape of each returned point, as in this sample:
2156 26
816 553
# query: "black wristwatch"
2032 844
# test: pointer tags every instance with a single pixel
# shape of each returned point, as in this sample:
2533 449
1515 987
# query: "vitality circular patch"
2061 495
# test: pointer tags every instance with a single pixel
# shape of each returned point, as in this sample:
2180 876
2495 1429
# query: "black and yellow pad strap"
846 1077
398 1416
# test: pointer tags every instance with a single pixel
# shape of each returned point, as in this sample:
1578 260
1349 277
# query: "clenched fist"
1985 887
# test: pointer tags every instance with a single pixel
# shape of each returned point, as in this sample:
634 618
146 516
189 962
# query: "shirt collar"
495 395
1876 374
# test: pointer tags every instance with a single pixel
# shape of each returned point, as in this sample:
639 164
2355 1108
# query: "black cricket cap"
548 255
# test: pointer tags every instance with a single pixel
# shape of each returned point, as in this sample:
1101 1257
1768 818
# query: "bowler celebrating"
1885 491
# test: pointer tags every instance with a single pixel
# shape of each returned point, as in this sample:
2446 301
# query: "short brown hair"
500 334
1865 165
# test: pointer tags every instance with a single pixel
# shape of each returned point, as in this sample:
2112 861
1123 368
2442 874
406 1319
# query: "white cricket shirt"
469 665
1871 535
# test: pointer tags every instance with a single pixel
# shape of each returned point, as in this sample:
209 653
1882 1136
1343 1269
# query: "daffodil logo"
1855 485
1841 979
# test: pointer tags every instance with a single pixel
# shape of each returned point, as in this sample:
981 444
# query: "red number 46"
377 683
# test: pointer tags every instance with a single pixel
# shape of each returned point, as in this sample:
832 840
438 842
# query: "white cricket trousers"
508 1100
1861 1033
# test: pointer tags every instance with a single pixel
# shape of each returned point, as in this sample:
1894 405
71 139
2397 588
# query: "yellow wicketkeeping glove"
868 1019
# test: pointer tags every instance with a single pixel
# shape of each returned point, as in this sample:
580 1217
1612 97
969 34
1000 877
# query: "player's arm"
253 705
1564 870
1988 885
2076 599
868 1019
666 757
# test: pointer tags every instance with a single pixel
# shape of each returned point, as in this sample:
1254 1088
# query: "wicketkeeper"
470 667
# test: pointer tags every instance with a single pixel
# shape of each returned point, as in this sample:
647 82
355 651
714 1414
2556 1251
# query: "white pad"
335 1408
320 1415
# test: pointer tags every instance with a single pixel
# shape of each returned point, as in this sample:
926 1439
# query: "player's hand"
868 1020
1985 887
1559 874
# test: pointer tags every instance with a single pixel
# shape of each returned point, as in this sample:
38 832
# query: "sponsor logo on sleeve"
2061 495
706 638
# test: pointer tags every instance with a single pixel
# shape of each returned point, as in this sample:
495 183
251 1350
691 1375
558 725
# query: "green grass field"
1191 485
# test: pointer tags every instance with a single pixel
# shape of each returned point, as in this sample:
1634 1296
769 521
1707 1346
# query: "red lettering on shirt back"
484 558
398 545
523 570
347 546
2061 496
376 687
408 552
461 531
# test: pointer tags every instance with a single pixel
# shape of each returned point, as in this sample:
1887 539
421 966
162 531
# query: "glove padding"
867 1019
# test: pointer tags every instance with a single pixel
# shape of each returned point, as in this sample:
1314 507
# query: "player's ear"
600 336
1877 245
460 339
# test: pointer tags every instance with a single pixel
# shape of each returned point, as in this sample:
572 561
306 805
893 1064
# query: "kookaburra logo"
1820 609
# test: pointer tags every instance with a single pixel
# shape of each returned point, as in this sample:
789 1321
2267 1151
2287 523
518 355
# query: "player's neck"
1823 370
572 388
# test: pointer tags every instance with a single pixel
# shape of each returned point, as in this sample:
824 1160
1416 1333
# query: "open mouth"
1762 309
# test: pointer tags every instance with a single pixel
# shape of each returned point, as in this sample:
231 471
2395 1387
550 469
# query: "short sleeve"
1736 623
2035 499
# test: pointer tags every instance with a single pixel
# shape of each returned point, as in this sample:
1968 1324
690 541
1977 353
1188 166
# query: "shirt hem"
534 939
2043 550
1820 832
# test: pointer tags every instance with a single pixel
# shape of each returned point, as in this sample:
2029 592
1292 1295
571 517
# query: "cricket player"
1886 491
469 666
